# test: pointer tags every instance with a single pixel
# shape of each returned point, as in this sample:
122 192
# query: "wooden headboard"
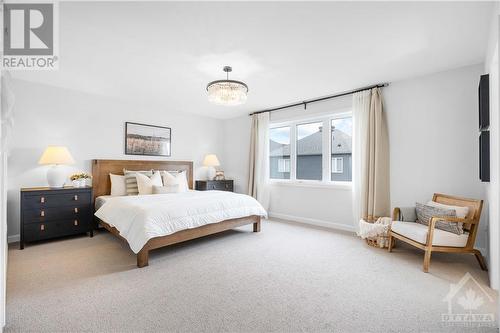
101 169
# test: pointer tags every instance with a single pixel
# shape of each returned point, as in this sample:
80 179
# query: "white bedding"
99 201
142 217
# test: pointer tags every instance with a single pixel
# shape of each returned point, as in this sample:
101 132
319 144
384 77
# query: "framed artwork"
148 140
219 175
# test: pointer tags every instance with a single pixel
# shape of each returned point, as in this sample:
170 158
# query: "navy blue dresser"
49 213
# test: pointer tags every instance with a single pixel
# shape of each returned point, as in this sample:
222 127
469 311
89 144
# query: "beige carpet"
288 278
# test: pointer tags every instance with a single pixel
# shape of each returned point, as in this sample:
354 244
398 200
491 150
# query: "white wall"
91 127
432 124
234 162
492 190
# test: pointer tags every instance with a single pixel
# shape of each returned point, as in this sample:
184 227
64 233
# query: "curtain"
371 197
258 177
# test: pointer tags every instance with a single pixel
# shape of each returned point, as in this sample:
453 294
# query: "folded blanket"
379 228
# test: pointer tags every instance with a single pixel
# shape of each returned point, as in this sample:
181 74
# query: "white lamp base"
211 173
56 177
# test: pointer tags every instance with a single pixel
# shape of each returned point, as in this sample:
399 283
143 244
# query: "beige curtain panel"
371 157
258 186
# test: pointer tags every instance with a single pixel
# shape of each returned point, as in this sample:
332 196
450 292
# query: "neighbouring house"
309 157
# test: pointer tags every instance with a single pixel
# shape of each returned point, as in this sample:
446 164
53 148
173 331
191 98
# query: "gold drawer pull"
76 222
42 213
76 210
42 200
76 197
42 227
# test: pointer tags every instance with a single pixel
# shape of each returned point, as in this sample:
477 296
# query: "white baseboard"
13 238
316 222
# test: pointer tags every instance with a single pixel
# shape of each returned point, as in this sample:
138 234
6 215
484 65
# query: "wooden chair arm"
451 219
395 214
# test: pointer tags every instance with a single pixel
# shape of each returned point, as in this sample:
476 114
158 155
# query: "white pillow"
165 189
460 211
145 184
118 185
178 178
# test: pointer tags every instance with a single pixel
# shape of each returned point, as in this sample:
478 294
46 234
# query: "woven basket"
379 241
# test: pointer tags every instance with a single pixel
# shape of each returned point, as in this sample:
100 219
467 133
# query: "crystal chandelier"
227 92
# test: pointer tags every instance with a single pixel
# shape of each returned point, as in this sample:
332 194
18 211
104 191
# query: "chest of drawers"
49 213
218 185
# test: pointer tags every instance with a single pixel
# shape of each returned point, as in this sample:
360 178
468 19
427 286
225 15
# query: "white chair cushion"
418 232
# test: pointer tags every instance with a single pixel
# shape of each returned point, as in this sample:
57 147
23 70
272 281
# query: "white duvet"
142 217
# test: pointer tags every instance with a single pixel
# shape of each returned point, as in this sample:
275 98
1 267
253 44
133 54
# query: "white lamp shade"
56 155
211 160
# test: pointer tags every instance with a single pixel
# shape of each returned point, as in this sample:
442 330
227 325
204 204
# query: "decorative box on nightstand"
218 185
54 212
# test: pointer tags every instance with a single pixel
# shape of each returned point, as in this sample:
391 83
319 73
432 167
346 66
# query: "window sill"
313 184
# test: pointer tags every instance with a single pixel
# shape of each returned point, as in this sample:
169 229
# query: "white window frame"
337 161
283 163
326 149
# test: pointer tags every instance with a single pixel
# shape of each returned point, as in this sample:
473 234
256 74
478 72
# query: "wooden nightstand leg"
256 227
21 245
91 232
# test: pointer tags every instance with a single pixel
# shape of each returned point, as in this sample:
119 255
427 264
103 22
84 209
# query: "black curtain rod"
304 103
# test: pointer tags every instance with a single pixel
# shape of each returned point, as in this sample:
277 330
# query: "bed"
148 222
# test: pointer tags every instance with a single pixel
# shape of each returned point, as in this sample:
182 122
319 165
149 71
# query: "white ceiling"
165 53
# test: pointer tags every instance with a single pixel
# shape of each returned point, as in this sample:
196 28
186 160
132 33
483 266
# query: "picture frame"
147 140
219 175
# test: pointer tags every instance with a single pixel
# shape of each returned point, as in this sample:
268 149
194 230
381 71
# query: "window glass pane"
309 151
279 153
342 149
337 164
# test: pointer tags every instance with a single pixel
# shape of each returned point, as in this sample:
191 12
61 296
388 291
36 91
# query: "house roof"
311 145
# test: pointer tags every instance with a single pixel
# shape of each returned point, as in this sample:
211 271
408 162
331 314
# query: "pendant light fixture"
227 92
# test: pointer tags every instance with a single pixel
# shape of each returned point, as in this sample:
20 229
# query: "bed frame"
101 184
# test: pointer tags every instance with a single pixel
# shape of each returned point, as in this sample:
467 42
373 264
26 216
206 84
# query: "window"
284 165
279 153
310 151
341 149
337 164
318 149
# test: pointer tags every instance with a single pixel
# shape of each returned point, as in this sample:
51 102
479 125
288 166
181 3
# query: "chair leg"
427 260
480 259
391 243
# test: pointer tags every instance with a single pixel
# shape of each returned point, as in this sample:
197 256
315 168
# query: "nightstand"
218 185
54 212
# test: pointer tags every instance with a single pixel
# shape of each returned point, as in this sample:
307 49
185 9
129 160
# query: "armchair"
430 239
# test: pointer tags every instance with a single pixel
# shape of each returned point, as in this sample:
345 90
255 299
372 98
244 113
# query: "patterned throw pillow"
425 213
131 180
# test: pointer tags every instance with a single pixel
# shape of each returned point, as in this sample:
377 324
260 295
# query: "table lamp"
211 161
56 156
